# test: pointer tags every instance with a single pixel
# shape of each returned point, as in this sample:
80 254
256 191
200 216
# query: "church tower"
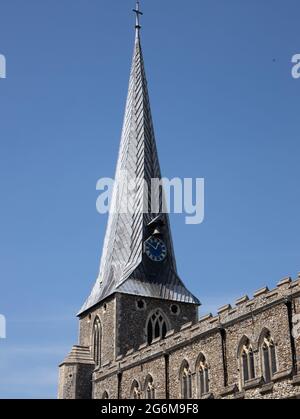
138 296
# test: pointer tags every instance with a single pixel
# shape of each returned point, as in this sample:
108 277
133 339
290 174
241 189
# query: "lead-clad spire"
125 268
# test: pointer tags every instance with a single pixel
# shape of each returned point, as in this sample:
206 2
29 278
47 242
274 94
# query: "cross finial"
138 14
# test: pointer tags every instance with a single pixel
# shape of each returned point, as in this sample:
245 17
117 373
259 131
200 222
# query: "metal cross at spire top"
138 14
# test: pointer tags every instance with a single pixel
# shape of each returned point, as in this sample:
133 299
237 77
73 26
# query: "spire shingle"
124 267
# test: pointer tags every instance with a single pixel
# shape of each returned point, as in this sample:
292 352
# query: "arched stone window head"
97 340
202 375
186 381
149 388
247 361
135 391
157 326
268 356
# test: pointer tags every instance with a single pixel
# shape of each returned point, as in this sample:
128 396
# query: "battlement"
209 323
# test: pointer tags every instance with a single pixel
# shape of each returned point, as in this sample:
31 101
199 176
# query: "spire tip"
138 13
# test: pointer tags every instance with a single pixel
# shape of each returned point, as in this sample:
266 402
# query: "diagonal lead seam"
122 255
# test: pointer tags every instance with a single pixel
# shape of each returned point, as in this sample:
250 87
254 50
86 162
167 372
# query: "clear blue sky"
225 108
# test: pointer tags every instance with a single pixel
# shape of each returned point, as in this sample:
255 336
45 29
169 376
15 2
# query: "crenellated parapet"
230 314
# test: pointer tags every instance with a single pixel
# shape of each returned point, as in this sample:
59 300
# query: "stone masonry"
218 338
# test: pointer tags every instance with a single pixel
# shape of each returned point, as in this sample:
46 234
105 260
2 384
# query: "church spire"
126 266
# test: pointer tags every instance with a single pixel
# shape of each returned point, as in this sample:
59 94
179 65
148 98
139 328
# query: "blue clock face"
155 249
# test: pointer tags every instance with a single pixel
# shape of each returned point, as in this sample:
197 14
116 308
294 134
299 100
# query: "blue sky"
225 108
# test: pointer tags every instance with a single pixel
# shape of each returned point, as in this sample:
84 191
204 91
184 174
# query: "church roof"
124 267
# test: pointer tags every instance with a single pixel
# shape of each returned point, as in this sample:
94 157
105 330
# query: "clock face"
155 249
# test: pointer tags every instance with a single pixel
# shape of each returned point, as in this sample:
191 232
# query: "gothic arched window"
202 375
149 388
135 392
105 395
186 381
97 337
247 361
268 355
156 326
